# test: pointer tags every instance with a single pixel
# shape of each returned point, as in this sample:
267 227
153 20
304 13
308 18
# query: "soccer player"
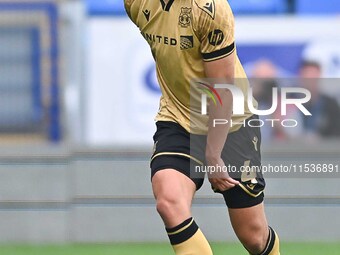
192 39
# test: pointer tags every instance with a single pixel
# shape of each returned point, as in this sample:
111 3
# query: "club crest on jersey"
185 17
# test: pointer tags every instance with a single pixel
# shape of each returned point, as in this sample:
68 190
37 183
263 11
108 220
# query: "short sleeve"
214 26
127 5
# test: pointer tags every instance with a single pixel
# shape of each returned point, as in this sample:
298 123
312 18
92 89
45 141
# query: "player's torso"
170 30
167 27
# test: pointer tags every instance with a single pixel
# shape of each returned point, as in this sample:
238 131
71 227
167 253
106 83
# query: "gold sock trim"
181 229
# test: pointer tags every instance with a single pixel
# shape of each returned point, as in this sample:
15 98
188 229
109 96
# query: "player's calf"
257 246
251 227
273 244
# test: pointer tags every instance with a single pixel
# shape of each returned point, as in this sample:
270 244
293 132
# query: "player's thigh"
174 192
172 162
174 185
249 223
171 173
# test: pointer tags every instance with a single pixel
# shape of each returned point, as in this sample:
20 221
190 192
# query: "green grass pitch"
160 249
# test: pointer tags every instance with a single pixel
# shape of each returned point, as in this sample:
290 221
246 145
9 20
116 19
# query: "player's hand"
219 177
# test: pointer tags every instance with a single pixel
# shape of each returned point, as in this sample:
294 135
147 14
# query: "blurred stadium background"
78 95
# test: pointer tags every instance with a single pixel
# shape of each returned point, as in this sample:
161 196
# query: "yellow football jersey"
182 34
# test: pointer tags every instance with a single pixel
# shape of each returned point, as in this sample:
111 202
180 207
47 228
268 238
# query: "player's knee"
254 241
169 206
166 206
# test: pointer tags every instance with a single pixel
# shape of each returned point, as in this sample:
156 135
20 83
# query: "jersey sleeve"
128 8
214 27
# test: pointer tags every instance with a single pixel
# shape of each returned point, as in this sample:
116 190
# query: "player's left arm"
214 24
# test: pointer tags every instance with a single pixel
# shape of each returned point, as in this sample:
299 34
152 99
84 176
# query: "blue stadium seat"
258 6
317 7
105 7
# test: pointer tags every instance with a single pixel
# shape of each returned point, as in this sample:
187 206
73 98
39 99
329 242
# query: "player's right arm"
130 10
214 24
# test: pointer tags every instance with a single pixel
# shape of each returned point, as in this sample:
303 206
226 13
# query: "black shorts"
177 149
